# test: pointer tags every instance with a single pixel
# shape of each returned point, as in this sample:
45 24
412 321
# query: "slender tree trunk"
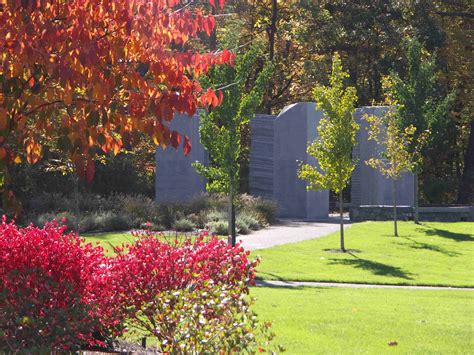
415 216
271 31
232 237
77 211
395 227
213 36
466 187
341 221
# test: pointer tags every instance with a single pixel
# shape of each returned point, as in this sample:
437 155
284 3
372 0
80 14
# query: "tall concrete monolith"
176 179
278 144
368 186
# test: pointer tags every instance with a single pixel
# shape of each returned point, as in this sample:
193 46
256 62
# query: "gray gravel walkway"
288 231
270 283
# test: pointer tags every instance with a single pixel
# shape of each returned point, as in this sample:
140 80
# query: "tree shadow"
459 237
426 246
374 267
289 286
274 277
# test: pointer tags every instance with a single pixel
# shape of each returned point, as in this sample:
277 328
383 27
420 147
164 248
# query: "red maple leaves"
96 74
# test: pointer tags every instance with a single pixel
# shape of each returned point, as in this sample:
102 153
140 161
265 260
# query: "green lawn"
428 254
111 239
336 321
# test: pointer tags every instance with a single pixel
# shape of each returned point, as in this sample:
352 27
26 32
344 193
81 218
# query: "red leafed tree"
95 75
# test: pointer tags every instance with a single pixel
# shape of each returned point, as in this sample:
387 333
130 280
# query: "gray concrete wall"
262 128
176 179
294 128
368 186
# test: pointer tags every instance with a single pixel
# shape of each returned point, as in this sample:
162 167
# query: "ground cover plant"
61 294
368 321
427 254
119 212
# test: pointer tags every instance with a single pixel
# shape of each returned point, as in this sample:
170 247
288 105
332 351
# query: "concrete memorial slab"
176 179
368 186
278 145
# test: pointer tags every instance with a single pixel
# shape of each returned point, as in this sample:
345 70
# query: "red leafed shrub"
47 289
58 293
190 296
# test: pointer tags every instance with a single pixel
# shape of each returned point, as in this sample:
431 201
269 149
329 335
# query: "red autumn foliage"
47 288
59 293
94 76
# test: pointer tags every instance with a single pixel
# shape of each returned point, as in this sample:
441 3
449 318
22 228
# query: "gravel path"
270 283
288 231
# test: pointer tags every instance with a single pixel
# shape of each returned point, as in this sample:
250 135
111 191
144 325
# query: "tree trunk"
232 237
271 31
415 215
213 36
466 188
341 221
395 227
77 211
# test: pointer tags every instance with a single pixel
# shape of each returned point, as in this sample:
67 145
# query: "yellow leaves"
16 68
410 130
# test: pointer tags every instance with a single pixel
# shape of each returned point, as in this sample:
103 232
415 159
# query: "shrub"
111 221
151 227
249 220
242 226
266 209
184 225
218 227
67 218
191 297
48 299
138 207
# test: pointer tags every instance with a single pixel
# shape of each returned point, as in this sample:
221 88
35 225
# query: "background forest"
300 37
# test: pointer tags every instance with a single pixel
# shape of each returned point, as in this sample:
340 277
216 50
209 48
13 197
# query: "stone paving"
289 231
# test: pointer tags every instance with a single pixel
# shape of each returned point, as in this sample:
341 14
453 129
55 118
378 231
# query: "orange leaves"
211 99
3 153
3 119
34 151
186 146
102 77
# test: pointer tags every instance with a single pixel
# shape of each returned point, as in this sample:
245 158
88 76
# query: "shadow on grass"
273 276
264 283
459 237
426 246
374 267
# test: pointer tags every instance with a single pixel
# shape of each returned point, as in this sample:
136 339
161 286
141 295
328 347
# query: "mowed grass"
367 321
110 240
427 254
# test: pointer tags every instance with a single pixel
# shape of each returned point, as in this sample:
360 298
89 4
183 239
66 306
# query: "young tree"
396 155
220 128
97 74
337 136
421 105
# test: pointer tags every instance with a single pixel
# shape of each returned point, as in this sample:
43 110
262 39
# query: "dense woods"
300 37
